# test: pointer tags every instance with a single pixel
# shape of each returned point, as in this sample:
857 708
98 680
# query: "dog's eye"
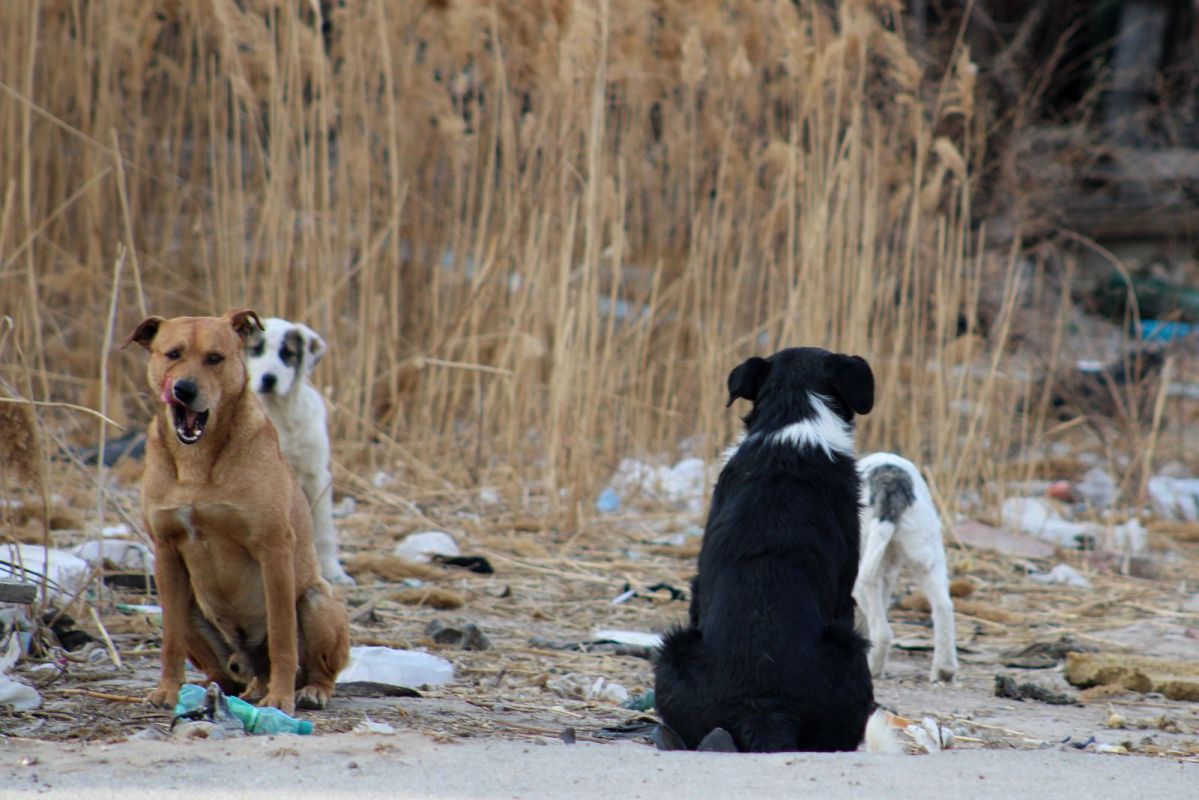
173 354
212 359
258 349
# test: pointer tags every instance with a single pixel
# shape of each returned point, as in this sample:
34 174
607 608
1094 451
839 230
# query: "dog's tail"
770 732
880 736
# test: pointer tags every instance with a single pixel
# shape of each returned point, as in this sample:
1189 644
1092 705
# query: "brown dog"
237 574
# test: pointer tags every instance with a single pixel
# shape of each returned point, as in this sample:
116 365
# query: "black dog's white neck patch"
825 430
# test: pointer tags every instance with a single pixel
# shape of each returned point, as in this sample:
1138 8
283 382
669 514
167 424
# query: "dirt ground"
551 585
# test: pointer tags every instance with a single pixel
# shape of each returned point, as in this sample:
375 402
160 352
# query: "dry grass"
536 235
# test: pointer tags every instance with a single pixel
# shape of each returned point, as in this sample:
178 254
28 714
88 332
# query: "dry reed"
536 235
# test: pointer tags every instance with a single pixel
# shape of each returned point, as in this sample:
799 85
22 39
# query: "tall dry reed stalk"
537 235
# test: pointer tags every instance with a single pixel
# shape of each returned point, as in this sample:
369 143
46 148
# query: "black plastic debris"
476 564
373 689
64 630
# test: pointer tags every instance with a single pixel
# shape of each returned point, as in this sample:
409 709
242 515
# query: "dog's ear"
852 380
747 378
315 346
144 333
244 322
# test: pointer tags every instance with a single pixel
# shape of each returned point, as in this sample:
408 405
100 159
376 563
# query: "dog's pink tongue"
189 418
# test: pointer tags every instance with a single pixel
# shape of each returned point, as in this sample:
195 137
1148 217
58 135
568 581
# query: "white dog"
279 360
900 524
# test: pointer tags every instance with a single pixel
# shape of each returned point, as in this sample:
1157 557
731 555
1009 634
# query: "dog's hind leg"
934 582
324 646
679 693
211 654
773 732
872 593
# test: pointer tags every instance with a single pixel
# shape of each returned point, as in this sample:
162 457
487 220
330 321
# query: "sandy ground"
495 731
411 765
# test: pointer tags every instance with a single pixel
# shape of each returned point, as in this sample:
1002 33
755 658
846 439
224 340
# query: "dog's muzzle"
182 398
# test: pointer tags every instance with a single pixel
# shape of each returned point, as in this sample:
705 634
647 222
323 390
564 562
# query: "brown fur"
238 582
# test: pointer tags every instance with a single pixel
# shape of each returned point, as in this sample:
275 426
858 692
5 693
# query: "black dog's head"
787 387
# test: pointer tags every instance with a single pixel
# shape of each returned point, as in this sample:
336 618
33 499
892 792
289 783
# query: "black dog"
770 658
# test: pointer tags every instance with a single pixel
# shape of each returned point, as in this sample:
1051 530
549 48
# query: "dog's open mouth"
189 425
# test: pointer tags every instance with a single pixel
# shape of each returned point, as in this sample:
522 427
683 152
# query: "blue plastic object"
608 502
196 702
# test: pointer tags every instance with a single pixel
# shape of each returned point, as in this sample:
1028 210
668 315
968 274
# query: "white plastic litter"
637 638
66 572
1063 575
682 484
368 725
13 693
1130 537
1037 516
423 546
579 687
931 737
120 552
1175 498
387 665
1098 488
604 689
118 531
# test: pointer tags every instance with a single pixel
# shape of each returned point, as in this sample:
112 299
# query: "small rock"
464 636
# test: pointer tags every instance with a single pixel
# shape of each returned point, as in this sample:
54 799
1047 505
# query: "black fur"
889 492
770 653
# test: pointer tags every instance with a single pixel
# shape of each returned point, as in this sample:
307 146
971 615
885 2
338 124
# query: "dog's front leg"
279 582
175 597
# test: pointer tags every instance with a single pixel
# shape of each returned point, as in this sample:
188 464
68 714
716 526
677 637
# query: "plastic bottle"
254 720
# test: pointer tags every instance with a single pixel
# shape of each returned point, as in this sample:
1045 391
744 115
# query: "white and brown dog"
900 525
279 359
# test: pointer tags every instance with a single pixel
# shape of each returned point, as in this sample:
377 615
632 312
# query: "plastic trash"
1062 574
123 553
13 693
387 665
423 546
1152 330
368 725
65 572
197 703
637 638
1098 488
1037 516
682 484
608 501
1175 498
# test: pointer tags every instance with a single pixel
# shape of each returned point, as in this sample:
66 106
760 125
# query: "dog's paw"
284 701
340 578
165 696
313 697
942 674
253 692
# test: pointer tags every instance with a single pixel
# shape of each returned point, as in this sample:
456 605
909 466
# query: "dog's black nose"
185 391
268 382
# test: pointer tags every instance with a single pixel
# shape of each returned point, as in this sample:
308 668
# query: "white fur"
915 540
826 431
298 413
881 737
